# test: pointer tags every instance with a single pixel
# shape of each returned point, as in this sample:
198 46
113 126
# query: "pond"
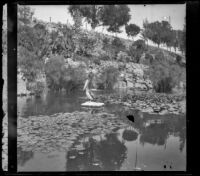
56 134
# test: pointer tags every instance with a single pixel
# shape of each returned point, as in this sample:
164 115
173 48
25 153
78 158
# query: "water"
96 140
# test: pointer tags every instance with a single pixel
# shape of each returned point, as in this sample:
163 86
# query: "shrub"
107 76
178 59
159 56
165 76
39 88
149 57
86 45
29 64
103 56
136 50
123 57
60 75
97 61
118 44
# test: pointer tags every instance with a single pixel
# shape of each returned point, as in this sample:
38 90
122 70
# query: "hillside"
111 58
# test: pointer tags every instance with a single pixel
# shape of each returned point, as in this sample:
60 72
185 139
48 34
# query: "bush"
118 44
104 57
39 88
29 64
159 56
86 45
149 57
164 85
178 59
123 57
136 50
107 77
97 61
60 75
166 76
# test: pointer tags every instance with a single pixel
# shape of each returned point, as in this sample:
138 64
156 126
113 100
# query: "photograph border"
192 10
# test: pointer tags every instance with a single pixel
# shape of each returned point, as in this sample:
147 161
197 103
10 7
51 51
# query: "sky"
176 12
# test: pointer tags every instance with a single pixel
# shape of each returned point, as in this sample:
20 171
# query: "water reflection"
120 150
50 104
129 135
107 153
23 156
157 131
155 134
152 140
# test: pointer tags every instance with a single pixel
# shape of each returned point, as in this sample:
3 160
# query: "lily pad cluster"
150 102
58 132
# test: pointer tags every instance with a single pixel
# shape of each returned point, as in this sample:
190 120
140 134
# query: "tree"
35 39
132 30
167 34
28 63
86 45
175 39
112 16
137 49
106 42
181 35
117 46
61 75
156 28
115 16
25 14
91 13
146 32
158 32
62 41
77 32
169 39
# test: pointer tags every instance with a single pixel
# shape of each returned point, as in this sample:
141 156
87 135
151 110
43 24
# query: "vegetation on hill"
38 41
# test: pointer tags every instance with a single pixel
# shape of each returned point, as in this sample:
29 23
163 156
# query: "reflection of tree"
112 152
182 140
106 154
129 134
51 104
83 161
155 134
177 127
181 130
23 156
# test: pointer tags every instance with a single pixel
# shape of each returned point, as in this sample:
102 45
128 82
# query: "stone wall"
134 75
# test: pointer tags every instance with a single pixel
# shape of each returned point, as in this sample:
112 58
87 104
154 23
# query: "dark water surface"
151 143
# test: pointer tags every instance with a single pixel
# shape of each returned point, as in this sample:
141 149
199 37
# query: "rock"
130 84
127 104
182 107
140 86
171 108
149 109
156 109
163 112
